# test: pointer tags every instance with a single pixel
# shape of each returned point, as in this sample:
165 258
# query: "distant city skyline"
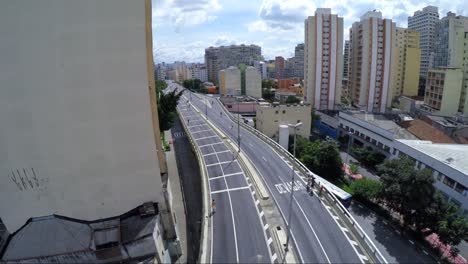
182 29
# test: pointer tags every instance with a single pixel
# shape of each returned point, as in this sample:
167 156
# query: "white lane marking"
264 159
353 242
219 163
200 131
344 229
385 222
211 144
232 210
250 144
230 190
265 227
425 252
274 257
270 240
261 213
313 230
344 233
227 175
336 217
257 202
197 125
411 241
398 232
362 257
216 153
205 137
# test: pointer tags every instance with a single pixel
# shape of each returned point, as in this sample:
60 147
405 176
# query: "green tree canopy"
167 103
193 84
292 100
406 190
367 189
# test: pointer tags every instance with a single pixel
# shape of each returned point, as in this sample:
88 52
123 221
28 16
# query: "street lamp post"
238 127
286 249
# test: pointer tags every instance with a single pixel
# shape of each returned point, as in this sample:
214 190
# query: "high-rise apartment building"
294 67
424 21
450 50
448 46
279 67
261 66
344 81
407 63
80 141
160 71
346 60
198 71
230 81
371 64
323 59
253 82
219 58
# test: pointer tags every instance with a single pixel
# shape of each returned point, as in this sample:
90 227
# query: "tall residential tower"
372 49
323 59
424 21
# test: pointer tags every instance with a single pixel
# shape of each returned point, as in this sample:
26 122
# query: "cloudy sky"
182 29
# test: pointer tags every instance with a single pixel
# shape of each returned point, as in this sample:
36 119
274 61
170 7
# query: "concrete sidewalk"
177 202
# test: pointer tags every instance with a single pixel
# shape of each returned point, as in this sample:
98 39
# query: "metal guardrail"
204 251
368 243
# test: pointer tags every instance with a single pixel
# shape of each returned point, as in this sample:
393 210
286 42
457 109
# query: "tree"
353 168
328 159
167 104
292 100
406 190
193 84
268 84
368 156
267 94
366 189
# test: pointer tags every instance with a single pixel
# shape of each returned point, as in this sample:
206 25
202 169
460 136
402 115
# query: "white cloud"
184 13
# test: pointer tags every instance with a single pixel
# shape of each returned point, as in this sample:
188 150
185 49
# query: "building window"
460 188
448 181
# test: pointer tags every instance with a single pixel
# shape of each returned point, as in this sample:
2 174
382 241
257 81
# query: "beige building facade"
80 134
443 89
270 117
323 59
253 82
372 59
407 63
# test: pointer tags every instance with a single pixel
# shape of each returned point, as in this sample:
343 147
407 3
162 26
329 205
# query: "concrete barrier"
205 237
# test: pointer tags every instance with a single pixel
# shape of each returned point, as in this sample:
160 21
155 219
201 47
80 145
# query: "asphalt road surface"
238 230
317 236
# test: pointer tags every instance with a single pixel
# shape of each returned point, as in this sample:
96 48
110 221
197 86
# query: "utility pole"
286 246
238 127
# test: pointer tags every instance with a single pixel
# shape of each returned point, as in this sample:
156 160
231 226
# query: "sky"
182 29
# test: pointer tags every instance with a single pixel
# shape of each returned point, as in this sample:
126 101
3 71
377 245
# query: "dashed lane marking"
261 214
274 257
201 131
411 241
270 240
257 202
211 144
362 257
226 175
229 190
344 229
205 137
214 153
219 163
265 227
425 252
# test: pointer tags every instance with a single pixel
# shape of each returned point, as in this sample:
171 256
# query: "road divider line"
227 175
230 190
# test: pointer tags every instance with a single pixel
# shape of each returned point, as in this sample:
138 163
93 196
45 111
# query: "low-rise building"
375 130
270 117
286 83
443 90
245 105
447 163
